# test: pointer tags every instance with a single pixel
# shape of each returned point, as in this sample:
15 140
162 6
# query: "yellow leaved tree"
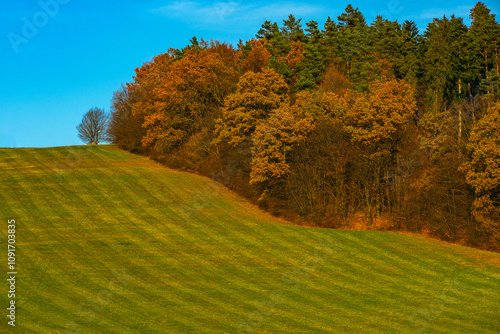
483 170
274 138
375 117
257 94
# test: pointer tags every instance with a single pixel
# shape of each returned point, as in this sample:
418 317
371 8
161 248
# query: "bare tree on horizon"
92 129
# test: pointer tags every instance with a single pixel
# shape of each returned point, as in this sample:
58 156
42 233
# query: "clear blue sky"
59 58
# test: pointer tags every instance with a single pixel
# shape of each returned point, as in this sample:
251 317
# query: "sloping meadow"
109 242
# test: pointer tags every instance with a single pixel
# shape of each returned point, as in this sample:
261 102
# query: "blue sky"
59 58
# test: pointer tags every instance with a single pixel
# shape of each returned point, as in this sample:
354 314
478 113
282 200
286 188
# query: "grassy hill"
109 242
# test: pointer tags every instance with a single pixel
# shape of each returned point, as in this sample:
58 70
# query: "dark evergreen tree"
313 65
268 30
408 64
279 47
351 18
458 44
438 58
387 43
292 29
330 33
485 38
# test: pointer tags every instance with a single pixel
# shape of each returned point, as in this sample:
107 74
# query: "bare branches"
92 129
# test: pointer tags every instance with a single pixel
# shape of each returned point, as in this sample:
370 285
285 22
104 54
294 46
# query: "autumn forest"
351 125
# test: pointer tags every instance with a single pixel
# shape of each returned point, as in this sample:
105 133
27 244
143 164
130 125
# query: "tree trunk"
459 123
496 57
486 60
435 100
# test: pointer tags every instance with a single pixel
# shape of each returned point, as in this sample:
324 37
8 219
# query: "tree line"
353 125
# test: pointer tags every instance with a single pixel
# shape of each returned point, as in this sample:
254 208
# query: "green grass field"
109 242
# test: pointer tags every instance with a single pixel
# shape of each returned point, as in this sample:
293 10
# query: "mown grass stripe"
64 264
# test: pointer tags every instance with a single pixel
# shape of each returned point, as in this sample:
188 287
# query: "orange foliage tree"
258 58
274 138
375 117
335 81
374 122
184 92
257 94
